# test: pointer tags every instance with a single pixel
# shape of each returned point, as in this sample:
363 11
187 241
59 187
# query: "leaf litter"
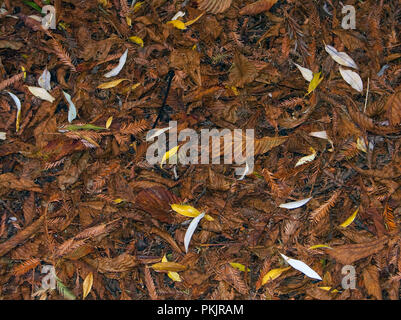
78 194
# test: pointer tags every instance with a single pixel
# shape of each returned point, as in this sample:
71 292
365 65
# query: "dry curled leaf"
257 7
214 6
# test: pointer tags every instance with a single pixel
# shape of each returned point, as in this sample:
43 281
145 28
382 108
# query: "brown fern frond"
51 165
214 6
68 246
25 266
271 181
264 270
233 277
348 151
319 213
124 8
135 127
8 82
293 102
388 217
92 232
62 54
150 285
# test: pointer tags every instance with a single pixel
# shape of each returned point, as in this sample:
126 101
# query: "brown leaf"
257 7
349 253
242 72
123 262
393 106
156 201
214 6
371 281
11 181
189 61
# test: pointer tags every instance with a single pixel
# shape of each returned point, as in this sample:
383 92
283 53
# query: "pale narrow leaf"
119 67
352 78
16 100
340 57
306 73
41 93
301 266
44 80
294 204
72 111
2 136
191 230
156 132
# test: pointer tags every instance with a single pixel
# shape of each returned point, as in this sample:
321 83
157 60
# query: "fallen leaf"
87 285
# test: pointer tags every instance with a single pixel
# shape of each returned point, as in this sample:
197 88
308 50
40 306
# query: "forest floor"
84 214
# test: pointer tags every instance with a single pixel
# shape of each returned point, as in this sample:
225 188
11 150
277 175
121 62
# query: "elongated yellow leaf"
110 84
314 82
168 266
317 246
239 266
273 274
350 219
136 40
177 24
171 274
188 211
108 122
188 23
87 285
169 154
328 289
17 123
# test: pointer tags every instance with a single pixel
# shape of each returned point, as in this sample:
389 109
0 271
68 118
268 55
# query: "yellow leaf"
136 40
188 211
361 145
194 47
136 85
328 289
137 6
118 200
317 246
315 82
129 21
17 123
171 274
177 24
87 285
239 266
168 266
350 219
188 23
108 122
169 154
110 84
24 71
273 274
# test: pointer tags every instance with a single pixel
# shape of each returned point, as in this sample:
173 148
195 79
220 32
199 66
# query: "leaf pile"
76 191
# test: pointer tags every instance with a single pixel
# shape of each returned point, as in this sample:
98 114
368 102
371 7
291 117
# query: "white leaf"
245 172
44 80
319 134
306 73
191 230
16 100
120 65
352 78
72 111
41 93
294 204
2 136
179 14
155 133
302 266
306 159
340 57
